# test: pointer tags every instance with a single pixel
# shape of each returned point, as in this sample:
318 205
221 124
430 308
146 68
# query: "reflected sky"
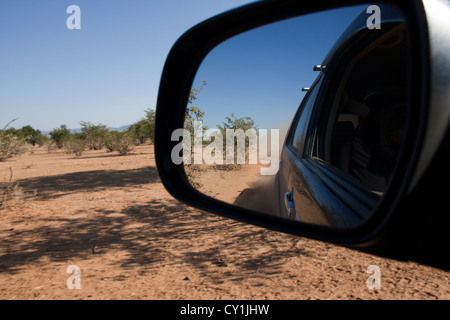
260 73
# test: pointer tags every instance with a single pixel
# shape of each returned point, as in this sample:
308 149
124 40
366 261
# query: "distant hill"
122 128
78 130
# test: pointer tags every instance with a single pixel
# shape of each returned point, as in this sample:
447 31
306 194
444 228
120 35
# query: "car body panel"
322 195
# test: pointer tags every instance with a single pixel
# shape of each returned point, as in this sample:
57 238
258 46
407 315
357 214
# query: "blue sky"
261 73
108 72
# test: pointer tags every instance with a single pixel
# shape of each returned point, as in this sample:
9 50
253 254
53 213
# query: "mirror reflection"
303 118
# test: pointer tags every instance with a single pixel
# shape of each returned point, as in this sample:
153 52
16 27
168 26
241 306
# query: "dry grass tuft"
10 193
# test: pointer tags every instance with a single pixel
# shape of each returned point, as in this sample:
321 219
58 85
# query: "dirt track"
110 216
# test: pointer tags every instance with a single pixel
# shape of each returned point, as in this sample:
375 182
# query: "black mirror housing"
398 227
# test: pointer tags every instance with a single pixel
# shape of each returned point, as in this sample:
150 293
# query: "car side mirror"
308 118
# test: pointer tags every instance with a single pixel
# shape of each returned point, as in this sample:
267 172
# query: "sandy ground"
110 216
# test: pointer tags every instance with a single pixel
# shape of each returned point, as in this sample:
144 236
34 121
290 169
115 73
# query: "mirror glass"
303 118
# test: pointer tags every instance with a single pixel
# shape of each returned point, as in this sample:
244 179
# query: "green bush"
75 145
124 143
121 142
60 135
94 135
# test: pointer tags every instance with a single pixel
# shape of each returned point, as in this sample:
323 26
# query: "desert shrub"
10 192
150 123
139 131
122 142
246 124
94 135
38 138
10 144
143 130
111 141
60 135
31 136
75 145
51 145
